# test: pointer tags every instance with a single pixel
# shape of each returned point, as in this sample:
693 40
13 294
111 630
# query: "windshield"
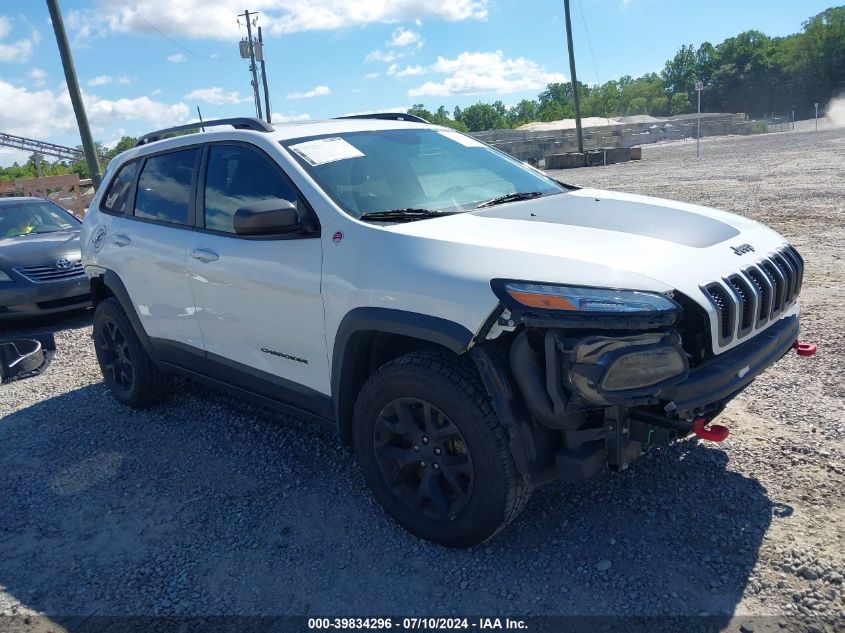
28 218
428 169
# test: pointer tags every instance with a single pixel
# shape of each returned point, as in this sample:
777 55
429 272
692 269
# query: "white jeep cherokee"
473 327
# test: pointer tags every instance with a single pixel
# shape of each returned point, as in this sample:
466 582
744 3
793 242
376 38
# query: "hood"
39 249
595 237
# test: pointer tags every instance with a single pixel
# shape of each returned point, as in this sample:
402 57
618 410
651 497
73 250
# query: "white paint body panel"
294 294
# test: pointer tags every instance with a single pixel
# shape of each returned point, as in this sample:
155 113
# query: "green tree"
482 116
679 73
680 103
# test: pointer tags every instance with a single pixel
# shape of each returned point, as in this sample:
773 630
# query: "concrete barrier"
543 144
565 161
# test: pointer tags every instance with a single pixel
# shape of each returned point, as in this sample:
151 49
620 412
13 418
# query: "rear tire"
433 451
127 369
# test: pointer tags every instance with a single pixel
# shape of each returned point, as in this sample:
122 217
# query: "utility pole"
578 130
264 76
75 94
817 116
699 86
252 66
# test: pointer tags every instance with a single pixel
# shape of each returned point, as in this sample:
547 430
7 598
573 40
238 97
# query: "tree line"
751 73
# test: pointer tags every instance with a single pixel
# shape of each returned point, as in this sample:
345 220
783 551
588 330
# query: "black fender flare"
442 332
114 283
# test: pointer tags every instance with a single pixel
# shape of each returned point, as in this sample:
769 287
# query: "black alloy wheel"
115 356
423 458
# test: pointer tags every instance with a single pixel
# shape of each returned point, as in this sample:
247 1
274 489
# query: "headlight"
4 276
577 299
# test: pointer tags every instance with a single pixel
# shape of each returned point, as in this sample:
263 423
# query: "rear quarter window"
116 199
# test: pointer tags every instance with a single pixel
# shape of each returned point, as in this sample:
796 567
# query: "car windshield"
412 170
29 218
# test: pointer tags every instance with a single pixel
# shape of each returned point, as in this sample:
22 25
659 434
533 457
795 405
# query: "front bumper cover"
716 381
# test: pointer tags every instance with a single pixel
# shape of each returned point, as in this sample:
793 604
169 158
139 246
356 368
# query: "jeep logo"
742 249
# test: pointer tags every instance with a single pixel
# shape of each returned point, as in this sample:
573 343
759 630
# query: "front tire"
127 369
433 451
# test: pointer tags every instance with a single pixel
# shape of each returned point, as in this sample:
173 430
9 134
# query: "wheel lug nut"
422 464
437 467
416 448
425 439
437 451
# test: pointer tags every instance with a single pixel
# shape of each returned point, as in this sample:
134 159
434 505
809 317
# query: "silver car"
40 262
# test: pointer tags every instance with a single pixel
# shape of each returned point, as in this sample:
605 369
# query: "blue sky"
145 64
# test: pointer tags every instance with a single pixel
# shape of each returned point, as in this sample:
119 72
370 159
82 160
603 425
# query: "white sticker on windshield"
463 139
326 150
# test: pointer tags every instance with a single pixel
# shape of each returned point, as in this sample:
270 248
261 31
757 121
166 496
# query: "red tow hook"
716 433
804 349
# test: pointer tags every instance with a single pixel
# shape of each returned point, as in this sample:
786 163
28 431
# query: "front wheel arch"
369 337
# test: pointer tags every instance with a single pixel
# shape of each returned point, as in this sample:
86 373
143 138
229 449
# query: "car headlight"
4 277
582 300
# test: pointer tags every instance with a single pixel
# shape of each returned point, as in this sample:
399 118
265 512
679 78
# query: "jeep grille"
747 300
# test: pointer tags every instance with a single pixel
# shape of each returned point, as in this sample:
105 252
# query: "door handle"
121 240
204 255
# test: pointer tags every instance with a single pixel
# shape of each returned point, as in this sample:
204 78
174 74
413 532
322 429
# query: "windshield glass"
437 170
34 217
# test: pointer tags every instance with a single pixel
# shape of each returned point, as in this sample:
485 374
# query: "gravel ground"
208 506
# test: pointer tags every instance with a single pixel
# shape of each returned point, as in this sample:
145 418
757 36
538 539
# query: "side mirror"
268 217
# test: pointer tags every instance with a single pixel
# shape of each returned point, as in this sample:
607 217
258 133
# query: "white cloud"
484 73
155 92
372 75
176 58
45 114
289 118
405 37
213 19
216 96
17 51
387 57
155 113
319 91
101 80
38 76
408 71
123 79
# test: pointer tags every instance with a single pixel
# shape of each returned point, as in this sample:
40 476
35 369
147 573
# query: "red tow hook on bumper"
716 433
804 349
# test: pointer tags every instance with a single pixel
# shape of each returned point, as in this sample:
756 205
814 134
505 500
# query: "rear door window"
116 199
165 187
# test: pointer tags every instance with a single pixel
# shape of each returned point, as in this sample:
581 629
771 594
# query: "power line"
165 35
589 44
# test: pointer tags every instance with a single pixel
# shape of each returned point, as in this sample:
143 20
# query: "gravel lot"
208 506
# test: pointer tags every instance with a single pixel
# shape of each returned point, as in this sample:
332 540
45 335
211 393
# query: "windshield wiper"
509 197
403 214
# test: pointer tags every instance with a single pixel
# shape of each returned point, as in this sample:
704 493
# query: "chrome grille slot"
796 258
764 288
779 283
46 274
789 272
724 308
747 303
749 299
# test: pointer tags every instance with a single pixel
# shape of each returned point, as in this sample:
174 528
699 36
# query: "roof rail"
387 116
239 123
